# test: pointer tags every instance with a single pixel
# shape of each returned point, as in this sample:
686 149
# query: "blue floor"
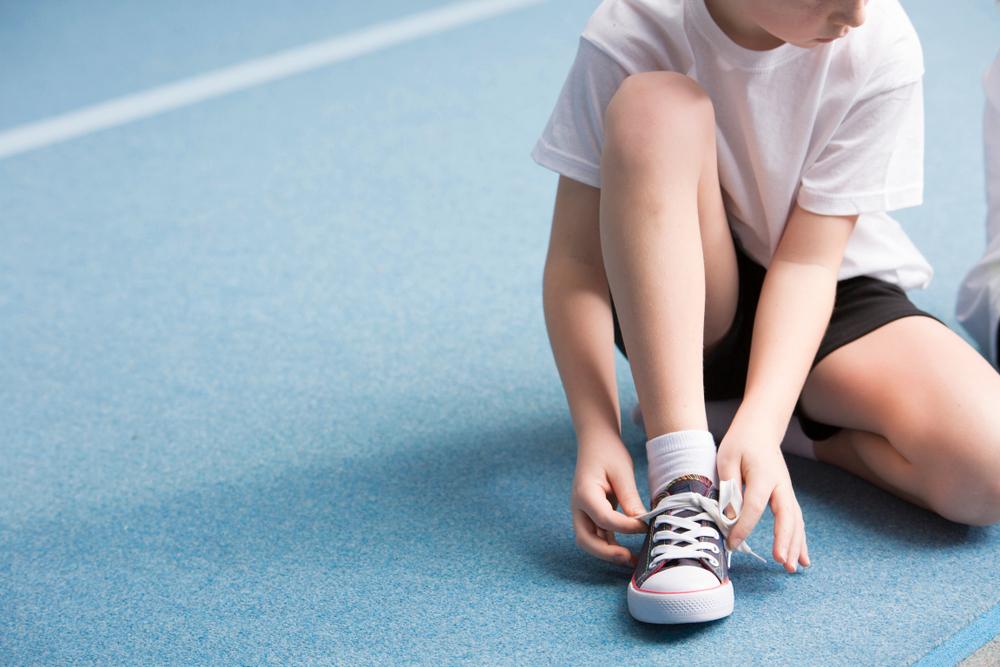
275 385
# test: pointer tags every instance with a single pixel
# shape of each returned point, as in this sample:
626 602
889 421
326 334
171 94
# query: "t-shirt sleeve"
572 139
874 159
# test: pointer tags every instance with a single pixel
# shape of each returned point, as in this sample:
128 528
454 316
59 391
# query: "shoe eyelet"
714 562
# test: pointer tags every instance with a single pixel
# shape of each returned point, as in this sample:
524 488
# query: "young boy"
978 306
726 168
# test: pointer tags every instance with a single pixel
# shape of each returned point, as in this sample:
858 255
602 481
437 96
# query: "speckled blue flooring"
275 385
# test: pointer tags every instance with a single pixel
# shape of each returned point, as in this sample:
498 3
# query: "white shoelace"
691 546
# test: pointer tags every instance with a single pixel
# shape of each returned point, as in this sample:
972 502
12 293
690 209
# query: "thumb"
623 482
729 468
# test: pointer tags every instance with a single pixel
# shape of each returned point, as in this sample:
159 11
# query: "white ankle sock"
720 416
679 453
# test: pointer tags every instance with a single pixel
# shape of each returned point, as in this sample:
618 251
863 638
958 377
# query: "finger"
785 523
792 564
609 537
754 506
729 468
794 546
804 558
784 534
601 513
623 484
613 541
587 539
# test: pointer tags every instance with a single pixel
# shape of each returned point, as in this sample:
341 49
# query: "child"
726 168
978 307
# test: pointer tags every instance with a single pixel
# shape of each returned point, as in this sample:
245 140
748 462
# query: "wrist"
598 441
595 421
767 423
597 438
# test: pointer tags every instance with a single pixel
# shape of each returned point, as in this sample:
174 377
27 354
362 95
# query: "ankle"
663 424
690 451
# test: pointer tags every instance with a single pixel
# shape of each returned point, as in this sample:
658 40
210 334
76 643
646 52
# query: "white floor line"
119 111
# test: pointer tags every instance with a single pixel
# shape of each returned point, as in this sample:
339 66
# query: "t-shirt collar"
732 52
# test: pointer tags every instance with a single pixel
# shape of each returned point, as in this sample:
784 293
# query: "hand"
754 457
604 477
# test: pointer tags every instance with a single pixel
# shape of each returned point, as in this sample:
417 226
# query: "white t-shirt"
837 128
978 307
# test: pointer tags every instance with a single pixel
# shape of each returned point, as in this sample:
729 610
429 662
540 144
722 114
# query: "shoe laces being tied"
671 544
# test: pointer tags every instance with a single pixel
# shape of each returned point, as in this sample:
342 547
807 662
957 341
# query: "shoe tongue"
691 484
687 484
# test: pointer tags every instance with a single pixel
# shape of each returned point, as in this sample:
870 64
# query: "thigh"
918 384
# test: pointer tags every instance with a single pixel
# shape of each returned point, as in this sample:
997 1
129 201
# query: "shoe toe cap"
680 579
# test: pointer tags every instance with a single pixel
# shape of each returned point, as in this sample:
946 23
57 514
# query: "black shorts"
862 305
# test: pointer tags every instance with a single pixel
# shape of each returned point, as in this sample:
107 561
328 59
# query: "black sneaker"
682 575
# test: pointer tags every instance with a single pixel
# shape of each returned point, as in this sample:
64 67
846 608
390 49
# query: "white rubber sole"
694 607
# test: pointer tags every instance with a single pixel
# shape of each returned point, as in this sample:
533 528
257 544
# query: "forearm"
581 334
795 305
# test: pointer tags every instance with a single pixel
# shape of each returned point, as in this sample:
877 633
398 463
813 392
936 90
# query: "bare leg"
919 408
661 218
872 458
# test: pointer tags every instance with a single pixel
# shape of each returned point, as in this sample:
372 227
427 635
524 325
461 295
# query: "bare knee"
655 112
964 484
976 505
982 499
989 506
